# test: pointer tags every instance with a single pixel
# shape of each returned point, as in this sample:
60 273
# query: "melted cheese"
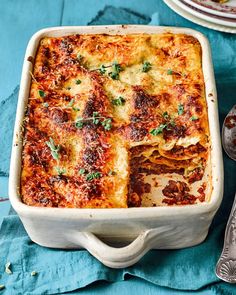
92 97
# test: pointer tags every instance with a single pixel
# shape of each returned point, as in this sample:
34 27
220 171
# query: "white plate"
226 9
205 15
199 21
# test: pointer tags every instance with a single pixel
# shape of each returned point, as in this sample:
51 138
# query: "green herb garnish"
116 69
45 104
41 93
93 175
68 88
60 170
169 72
102 69
81 171
33 273
158 130
54 148
96 119
165 115
120 101
180 109
79 57
79 123
107 124
146 66
78 81
7 268
194 118
70 104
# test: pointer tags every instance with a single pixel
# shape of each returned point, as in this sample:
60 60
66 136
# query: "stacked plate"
210 14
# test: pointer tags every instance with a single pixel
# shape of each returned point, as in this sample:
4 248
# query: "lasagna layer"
107 111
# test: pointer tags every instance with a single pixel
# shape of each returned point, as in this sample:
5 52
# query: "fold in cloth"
66 270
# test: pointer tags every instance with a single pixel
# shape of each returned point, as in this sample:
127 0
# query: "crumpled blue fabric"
61 271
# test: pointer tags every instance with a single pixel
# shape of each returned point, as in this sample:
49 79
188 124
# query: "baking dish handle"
125 256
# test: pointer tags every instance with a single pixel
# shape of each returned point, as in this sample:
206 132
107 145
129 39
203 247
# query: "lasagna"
116 121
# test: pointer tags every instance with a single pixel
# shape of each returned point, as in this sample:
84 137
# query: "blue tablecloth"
63 271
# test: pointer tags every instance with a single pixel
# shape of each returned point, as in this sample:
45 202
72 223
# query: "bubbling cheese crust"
103 109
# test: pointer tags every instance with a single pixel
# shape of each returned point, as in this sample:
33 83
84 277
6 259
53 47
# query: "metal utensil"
226 266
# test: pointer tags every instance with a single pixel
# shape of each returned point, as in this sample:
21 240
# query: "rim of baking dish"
118 213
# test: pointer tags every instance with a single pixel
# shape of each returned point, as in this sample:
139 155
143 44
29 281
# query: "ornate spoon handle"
226 266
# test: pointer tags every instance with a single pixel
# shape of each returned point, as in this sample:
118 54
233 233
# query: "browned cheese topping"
105 110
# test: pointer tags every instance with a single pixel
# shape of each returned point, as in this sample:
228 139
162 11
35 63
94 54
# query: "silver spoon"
226 266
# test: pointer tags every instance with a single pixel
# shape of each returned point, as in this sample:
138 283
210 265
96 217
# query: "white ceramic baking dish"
169 227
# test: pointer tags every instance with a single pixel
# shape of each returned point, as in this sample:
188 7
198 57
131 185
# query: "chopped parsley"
194 118
45 104
158 130
120 101
180 109
81 171
68 88
7 268
78 81
33 273
76 109
93 175
146 66
169 72
54 148
116 69
41 93
60 170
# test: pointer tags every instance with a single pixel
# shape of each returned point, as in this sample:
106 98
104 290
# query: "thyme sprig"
71 105
120 101
93 175
170 122
158 130
54 148
89 176
96 119
60 171
146 66
194 118
180 109
115 70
